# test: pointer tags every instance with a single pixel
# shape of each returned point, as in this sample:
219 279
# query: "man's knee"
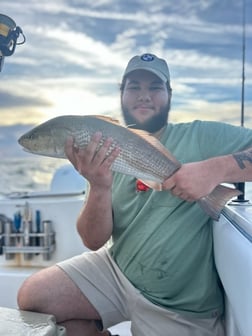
31 294
41 291
25 296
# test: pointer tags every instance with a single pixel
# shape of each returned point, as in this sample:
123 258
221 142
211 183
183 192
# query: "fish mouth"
20 139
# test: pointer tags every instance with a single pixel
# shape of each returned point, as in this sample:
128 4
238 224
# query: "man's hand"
193 180
93 163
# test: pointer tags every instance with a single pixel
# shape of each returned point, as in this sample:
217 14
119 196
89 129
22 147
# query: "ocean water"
27 174
36 172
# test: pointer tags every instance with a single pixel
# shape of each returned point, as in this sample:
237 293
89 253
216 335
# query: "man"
159 272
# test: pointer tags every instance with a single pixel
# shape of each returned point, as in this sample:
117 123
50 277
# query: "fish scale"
137 157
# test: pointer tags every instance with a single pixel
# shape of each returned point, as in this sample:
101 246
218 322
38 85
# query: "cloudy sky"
76 51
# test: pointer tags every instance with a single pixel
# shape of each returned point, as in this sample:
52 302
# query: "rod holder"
26 242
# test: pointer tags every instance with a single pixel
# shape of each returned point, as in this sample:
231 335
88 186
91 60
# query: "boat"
48 234
233 257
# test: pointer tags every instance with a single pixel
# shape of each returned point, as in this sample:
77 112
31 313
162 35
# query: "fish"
141 155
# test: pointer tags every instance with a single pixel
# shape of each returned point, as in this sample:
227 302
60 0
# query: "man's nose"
144 95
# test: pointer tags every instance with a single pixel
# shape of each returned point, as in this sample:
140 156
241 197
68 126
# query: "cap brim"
155 72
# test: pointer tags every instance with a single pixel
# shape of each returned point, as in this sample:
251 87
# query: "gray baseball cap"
149 62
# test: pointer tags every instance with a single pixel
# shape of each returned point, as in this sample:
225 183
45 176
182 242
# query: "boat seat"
15 322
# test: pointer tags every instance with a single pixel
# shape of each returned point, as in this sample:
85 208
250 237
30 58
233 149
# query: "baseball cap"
149 62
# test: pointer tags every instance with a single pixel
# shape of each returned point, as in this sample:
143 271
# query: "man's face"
145 101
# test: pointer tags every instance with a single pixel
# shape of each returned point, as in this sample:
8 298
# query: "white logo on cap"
147 57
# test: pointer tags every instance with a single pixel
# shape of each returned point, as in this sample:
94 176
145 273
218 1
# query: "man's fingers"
111 157
69 148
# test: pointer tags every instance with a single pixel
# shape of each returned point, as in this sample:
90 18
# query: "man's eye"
153 88
133 88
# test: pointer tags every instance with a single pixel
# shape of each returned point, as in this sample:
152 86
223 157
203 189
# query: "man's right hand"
92 162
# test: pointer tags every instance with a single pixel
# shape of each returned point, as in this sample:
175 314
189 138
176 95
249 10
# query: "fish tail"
215 202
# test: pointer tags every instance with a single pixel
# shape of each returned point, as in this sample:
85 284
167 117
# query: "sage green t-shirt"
163 244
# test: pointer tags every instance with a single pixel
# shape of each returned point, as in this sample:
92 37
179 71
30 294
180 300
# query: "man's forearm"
197 179
95 222
236 167
244 159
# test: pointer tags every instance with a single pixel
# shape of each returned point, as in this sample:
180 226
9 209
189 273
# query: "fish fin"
215 202
152 184
107 118
156 143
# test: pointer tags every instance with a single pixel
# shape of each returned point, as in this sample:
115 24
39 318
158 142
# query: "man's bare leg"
51 291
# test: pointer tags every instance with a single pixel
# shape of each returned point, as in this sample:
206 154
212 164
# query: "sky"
76 51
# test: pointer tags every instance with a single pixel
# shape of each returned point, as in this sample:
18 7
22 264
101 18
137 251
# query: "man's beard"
152 125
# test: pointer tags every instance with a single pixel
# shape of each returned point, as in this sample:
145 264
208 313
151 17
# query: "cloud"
76 51
75 54
11 99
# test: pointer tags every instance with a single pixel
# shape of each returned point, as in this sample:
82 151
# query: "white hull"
233 256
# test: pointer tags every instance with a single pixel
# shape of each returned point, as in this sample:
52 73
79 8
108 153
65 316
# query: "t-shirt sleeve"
217 139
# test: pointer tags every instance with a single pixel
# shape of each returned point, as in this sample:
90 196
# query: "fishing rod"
9 34
243 60
241 185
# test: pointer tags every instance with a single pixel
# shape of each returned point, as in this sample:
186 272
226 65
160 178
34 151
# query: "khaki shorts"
117 300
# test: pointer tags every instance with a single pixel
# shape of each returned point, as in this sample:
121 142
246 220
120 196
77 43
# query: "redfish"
141 154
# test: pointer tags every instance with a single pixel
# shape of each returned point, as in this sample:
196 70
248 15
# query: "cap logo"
147 57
